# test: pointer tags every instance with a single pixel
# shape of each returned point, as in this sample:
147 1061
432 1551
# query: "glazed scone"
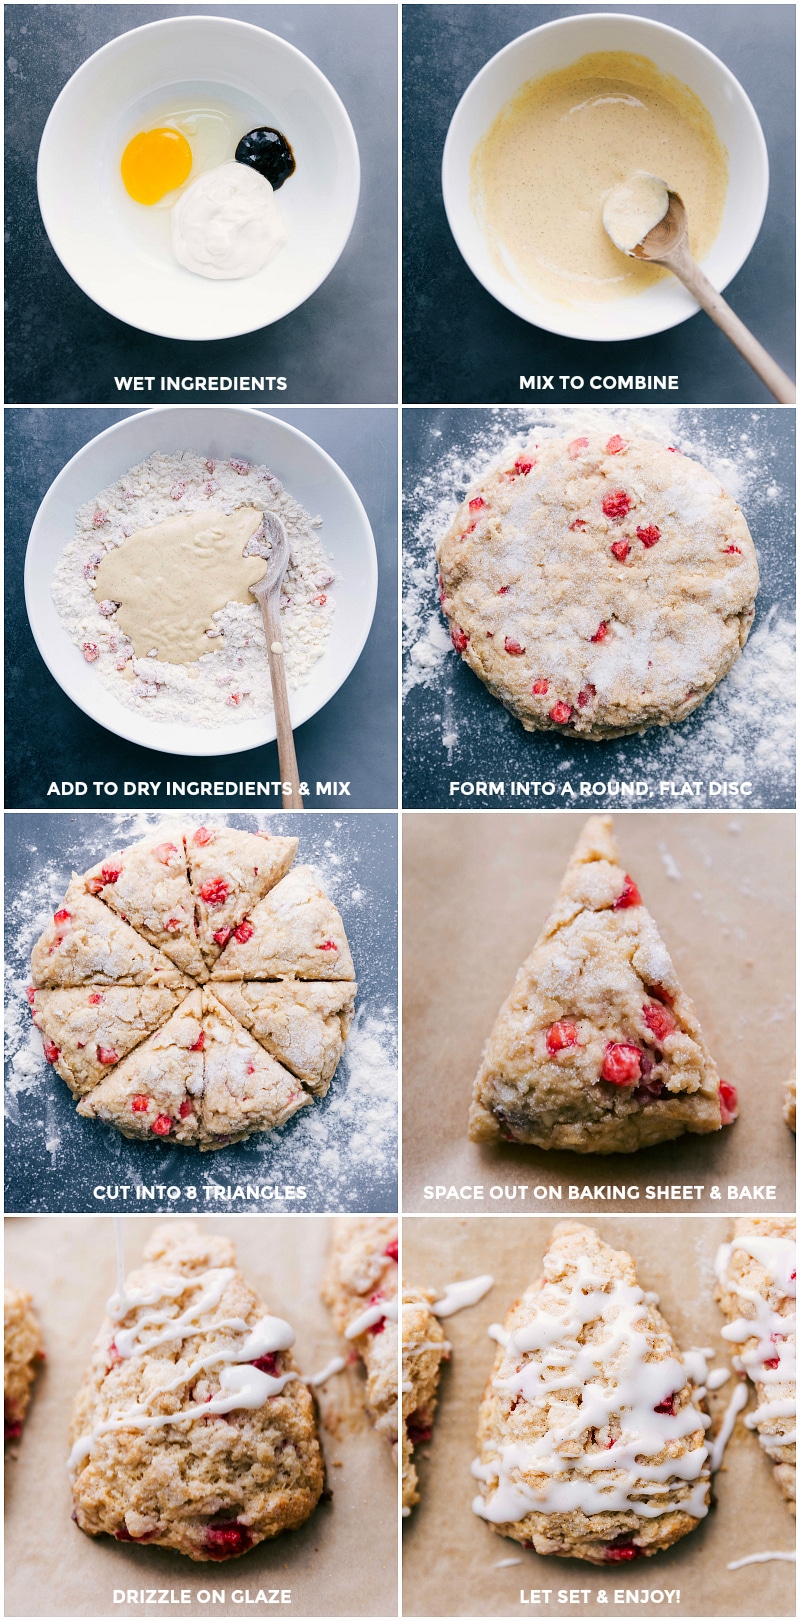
303 1024
423 1348
191 1429
360 1289
295 932
22 1352
597 585
757 1291
148 885
86 1032
597 1049
591 1440
790 1102
230 872
87 944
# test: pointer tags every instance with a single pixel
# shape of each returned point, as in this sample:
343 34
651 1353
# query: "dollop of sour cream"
634 208
227 224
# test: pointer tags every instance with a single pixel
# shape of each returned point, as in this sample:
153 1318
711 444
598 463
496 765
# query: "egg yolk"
155 162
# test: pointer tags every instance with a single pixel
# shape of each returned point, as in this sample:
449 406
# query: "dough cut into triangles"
296 933
590 1413
303 1024
245 1090
88 1032
155 1091
86 944
148 885
597 1049
230 871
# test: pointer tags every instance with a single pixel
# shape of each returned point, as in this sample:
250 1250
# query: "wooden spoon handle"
292 800
683 266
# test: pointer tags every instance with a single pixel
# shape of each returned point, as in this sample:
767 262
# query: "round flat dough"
598 586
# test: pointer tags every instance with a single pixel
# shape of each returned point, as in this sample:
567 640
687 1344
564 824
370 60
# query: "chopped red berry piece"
663 994
62 917
647 1091
172 925
540 687
468 531
561 1035
51 1051
107 1055
110 872
377 1328
244 932
522 465
198 1045
504 590
140 1103
560 713
620 548
251 1069
659 1020
225 1541
328 945
615 445
269 1363
622 1064
91 652
222 936
772 1362
732 549
575 447
30 992
728 1103
391 1249
668 1405
628 896
165 852
586 695
204 835
514 647
616 505
476 503
239 465
459 638
186 1107
619 1553
601 632
214 892
419 1426
579 523
162 1125
649 535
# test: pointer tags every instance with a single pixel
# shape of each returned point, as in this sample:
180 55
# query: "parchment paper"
53 1569
476 892
450 1557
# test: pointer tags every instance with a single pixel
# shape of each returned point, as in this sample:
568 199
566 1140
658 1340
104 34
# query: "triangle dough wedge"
245 1090
589 1417
155 1091
148 885
301 1023
296 932
597 1049
87 1031
85 943
230 872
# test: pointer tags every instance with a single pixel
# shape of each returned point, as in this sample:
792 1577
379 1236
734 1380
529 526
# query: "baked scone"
122 996
757 1291
597 1049
591 1434
424 1347
192 1429
360 1289
598 585
22 1352
790 1102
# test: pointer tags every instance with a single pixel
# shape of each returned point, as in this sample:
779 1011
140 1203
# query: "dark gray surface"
338 346
460 345
491 745
352 738
54 1158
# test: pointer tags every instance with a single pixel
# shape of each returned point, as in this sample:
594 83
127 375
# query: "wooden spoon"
267 592
668 244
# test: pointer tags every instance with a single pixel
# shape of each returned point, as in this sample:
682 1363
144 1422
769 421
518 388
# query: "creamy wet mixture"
545 167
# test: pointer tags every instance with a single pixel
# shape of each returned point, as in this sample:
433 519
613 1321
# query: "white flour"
231 682
748 721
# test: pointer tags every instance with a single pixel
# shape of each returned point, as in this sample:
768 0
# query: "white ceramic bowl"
307 472
118 251
556 45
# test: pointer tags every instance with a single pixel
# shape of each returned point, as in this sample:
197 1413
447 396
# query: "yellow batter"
542 171
170 579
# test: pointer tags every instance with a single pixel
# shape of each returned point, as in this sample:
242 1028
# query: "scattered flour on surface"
227 684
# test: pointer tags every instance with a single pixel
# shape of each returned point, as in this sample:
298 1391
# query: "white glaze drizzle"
546 1356
465 1293
768 1330
334 1366
368 1319
738 1400
761 1559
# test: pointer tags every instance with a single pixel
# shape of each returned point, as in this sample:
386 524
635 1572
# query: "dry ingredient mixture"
231 681
541 173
